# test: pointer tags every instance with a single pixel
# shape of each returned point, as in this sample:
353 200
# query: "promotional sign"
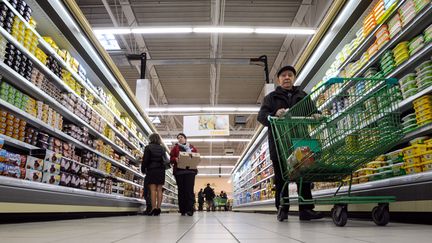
206 125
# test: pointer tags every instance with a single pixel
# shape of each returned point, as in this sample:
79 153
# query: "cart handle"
389 81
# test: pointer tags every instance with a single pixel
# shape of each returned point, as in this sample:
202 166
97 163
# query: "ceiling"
206 84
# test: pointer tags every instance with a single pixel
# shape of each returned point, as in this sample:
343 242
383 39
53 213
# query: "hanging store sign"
206 125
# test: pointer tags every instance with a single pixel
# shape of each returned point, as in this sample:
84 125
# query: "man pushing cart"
306 147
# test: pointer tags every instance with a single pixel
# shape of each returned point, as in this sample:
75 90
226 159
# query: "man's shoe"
282 213
183 214
190 213
309 214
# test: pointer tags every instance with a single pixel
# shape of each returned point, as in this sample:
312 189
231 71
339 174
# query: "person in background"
209 196
185 178
200 200
153 163
147 195
276 104
223 195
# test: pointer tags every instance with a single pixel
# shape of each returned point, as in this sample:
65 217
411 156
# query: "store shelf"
421 131
256 203
406 104
59 82
356 54
105 174
169 205
169 196
20 184
47 48
57 133
16 143
255 184
418 20
63 87
164 187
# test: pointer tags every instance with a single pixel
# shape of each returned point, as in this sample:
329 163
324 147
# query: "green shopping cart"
362 124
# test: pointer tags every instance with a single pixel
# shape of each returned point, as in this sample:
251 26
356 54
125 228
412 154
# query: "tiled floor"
217 227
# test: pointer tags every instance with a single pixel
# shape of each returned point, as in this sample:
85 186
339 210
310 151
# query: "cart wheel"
281 216
381 215
339 215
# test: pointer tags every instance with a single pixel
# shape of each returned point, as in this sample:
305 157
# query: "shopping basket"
327 147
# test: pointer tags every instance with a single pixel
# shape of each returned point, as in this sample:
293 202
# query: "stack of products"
423 110
378 11
389 4
6 17
382 36
424 75
407 12
369 23
79 133
409 123
395 25
12 126
408 85
373 49
418 156
416 44
401 53
18 61
387 62
428 34
420 4
23 8
54 66
24 36
36 108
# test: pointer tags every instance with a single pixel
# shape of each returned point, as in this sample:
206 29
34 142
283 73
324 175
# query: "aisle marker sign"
206 125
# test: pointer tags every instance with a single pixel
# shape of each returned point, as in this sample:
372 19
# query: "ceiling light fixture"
232 30
204 109
285 31
206 29
209 140
214 174
219 157
112 31
215 166
161 30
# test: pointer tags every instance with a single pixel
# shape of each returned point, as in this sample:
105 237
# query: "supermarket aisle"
217 227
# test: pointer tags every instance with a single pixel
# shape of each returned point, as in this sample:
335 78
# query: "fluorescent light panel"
206 29
204 108
215 166
219 157
209 140
213 174
233 30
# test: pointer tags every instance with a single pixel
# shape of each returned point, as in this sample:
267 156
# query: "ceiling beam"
232 133
132 21
217 19
286 47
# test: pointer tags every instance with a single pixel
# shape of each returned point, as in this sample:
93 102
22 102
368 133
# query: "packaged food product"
34 163
33 175
53 179
413 169
414 150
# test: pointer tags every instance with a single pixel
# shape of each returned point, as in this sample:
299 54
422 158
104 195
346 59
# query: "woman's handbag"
166 162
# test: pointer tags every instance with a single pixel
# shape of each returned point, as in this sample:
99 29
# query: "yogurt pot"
412 52
409 93
407 78
409 86
425 73
424 81
425 64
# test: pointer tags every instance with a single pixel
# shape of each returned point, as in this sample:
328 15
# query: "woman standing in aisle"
185 177
153 164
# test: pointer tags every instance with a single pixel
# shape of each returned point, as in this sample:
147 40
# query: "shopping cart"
322 147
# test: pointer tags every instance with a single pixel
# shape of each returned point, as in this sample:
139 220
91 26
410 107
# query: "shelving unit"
100 75
408 188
